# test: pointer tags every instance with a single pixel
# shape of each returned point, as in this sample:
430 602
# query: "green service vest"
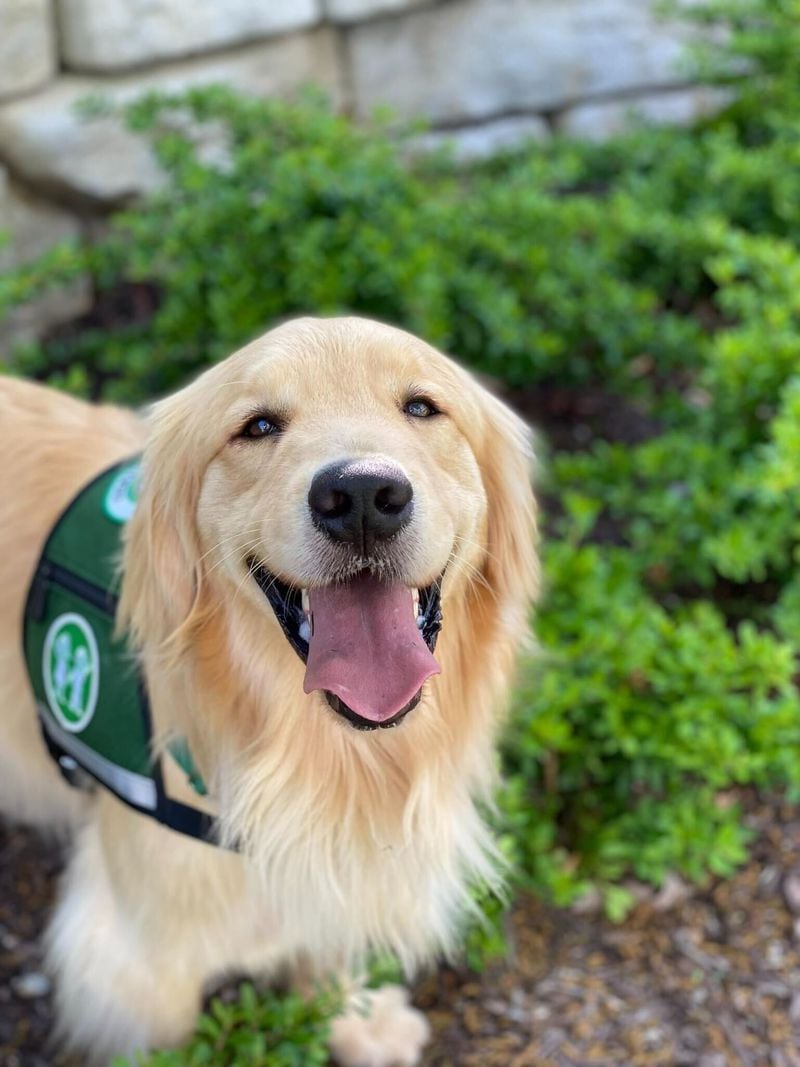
90 693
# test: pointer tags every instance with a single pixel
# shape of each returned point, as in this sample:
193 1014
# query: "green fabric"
89 690
117 727
179 749
86 542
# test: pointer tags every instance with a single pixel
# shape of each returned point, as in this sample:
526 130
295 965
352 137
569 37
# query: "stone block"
474 143
49 143
33 226
110 35
27 51
361 10
475 59
602 119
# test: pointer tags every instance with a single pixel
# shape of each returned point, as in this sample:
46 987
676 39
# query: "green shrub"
264 1030
634 724
305 212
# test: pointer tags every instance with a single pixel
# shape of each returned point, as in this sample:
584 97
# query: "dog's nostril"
391 499
333 504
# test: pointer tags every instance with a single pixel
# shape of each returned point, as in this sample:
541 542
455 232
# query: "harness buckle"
75 775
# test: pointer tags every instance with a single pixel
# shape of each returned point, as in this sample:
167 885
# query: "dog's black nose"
360 502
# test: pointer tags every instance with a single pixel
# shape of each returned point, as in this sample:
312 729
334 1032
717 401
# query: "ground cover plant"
655 280
267 1030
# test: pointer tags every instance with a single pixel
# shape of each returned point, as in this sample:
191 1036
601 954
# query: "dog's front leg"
379 1028
376 1027
117 990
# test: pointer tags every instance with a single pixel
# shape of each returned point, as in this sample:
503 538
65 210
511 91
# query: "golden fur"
351 840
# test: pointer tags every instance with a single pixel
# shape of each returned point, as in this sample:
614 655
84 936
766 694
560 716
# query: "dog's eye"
419 408
260 426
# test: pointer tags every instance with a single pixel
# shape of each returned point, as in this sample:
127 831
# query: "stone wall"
484 73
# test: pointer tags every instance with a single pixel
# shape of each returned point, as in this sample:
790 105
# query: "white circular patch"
119 503
71 670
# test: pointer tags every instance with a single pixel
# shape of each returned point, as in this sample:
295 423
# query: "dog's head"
336 486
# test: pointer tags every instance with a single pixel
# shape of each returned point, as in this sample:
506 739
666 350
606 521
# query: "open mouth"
367 644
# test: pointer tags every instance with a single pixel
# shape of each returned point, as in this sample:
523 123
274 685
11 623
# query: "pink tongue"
366 647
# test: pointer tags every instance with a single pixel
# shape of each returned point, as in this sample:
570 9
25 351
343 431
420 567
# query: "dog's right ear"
161 559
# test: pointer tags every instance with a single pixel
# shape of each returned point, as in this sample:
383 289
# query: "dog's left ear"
161 563
505 456
494 625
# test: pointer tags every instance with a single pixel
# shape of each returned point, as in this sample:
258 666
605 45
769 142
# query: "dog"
309 498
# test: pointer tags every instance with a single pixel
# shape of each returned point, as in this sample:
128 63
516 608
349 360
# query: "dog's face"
345 486
335 475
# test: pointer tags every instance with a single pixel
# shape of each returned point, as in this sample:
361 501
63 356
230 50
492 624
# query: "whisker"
234 551
226 540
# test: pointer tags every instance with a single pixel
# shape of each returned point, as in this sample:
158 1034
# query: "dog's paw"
379 1029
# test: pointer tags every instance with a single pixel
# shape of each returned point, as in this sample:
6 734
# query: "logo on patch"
71 671
119 503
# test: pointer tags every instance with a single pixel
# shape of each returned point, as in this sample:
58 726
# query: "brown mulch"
713 982
28 870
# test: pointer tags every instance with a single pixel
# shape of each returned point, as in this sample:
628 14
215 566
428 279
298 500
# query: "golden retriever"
350 472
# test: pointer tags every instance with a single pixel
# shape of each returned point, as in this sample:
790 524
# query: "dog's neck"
324 812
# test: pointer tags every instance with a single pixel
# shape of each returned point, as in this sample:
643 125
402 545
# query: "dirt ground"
714 981
711 982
